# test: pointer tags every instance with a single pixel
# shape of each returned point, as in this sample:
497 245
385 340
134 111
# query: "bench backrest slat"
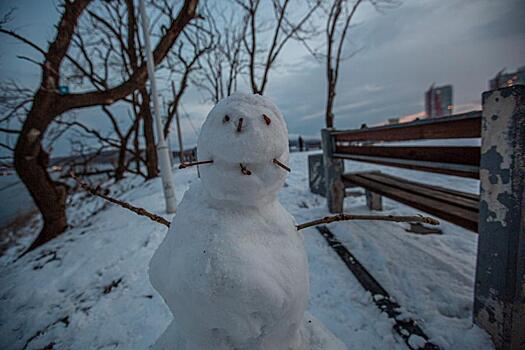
470 171
467 125
467 155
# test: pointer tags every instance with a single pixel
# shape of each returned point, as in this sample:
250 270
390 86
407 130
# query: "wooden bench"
368 145
498 215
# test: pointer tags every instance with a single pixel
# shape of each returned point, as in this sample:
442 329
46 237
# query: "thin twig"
186 165
281 165
345 217
239 125
244 170
136 210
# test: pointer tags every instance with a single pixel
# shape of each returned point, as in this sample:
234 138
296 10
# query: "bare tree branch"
139 211
347 217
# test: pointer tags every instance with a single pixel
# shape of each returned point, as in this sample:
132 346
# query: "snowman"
233 268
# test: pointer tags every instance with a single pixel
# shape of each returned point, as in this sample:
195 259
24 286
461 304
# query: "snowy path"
89 289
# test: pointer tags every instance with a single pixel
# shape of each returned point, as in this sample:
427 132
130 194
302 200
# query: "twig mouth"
187 165
276 162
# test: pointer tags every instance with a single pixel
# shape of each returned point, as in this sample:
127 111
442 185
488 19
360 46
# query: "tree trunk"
329 114
121 161
149 135
136 147
31 163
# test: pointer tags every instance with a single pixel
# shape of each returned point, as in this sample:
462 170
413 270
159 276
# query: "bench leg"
374 201
335 188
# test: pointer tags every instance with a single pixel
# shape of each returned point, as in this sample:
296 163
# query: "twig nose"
239 124
244 170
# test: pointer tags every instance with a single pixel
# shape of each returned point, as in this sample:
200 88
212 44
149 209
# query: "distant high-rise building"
438 101
503 79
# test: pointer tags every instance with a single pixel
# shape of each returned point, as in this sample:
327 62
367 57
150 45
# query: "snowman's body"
233 268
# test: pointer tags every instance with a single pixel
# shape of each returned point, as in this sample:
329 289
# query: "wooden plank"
425 191
468 171
471 196
467 125
457 215
405 327
456 155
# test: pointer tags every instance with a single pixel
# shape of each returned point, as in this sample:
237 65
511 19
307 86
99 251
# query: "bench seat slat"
472 196
453 213
409 186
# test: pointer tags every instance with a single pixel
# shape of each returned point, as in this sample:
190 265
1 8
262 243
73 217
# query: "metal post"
499 300
179 136
333 168
162 149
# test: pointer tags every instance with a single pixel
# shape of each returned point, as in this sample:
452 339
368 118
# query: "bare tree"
31 159
261 53
183 62
223 64
339 19
88 144
108 39
14 102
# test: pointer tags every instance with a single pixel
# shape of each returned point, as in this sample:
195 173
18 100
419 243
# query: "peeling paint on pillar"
499 305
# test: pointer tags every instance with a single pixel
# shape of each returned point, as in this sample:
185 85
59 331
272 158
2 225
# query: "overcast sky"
402 52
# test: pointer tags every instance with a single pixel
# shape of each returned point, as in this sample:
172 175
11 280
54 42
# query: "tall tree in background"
261 49
222 65
339 19
183 62
30 158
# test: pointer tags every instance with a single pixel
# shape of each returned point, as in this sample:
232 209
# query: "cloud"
402 52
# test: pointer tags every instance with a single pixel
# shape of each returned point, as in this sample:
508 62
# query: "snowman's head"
243 134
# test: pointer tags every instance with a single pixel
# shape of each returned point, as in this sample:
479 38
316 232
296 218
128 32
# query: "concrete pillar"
499 301
335 189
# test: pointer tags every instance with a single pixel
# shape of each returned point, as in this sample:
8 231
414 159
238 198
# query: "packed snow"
89 288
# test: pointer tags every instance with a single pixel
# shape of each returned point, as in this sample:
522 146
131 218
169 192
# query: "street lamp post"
162 148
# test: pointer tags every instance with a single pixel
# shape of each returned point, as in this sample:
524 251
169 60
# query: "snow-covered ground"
89 288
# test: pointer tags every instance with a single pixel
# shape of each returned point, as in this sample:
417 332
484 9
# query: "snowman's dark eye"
267 119
226 119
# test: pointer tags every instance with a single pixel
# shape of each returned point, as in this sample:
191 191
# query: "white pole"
162 149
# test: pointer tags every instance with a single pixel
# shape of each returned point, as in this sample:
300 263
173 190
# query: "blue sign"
63 89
